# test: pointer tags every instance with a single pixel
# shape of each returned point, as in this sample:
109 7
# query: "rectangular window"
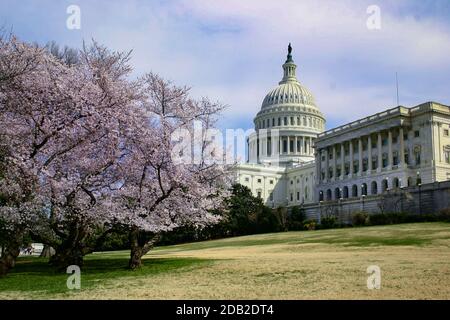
298 196
285 121
259 194
247 179
405 136
279 121
447 156
259 180
292 121
291 145
417 133
446 132
395 159
271 196
271 182
292 197
417 158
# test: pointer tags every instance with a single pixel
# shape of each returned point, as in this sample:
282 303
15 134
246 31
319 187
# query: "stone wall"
425 199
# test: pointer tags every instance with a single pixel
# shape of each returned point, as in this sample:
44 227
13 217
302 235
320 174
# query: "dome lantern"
289 68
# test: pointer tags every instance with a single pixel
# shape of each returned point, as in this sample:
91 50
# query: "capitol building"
293 160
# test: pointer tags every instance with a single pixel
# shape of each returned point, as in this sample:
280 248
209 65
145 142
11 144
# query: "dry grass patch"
328 264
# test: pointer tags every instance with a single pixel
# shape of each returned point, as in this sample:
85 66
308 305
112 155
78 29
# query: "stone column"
318 166
274 151
288 149
334 162
369 154
402 149
279 144
351 157
390 154
326 163
360 156
306 145
342 160
295 145
380 153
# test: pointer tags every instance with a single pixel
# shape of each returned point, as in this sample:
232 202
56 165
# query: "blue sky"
232 50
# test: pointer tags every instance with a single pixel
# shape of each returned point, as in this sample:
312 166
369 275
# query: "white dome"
289 93
289 98
287 124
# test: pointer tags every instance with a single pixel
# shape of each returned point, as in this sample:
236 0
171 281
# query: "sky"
232 50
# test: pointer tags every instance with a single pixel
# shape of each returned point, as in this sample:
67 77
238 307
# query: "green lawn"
324 264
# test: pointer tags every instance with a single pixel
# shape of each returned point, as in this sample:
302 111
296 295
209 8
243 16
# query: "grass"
324 264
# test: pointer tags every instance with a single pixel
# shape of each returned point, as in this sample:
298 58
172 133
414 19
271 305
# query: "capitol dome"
288 93
288 110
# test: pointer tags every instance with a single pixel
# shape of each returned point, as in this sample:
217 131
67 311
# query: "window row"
355 191
290 121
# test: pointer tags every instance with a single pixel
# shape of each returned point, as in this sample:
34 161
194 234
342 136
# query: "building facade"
291 160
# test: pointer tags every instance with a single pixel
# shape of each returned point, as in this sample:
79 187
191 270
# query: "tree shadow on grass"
36 276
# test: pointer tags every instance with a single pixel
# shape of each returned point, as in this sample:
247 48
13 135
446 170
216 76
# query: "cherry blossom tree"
20 201
84 150
160 192
62 124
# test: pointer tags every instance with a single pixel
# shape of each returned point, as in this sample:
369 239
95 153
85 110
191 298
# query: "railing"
377 116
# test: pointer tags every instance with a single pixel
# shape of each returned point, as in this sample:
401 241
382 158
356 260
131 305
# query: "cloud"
233 50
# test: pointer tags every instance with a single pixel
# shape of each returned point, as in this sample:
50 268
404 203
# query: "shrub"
296 219
444 215
310 225
359 218
328 222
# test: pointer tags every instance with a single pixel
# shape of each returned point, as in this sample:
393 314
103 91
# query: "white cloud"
232 50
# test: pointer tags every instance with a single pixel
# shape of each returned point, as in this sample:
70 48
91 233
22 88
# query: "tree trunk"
140 244
47 252
65 257
8 258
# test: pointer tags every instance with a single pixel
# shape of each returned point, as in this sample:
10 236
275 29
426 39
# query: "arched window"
396 183
384 185
320 195
345 192
337 193
354 191
374 187
329 195
409 182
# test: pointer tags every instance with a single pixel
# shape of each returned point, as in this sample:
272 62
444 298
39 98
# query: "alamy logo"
374 279
74 280
74 20
374 20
